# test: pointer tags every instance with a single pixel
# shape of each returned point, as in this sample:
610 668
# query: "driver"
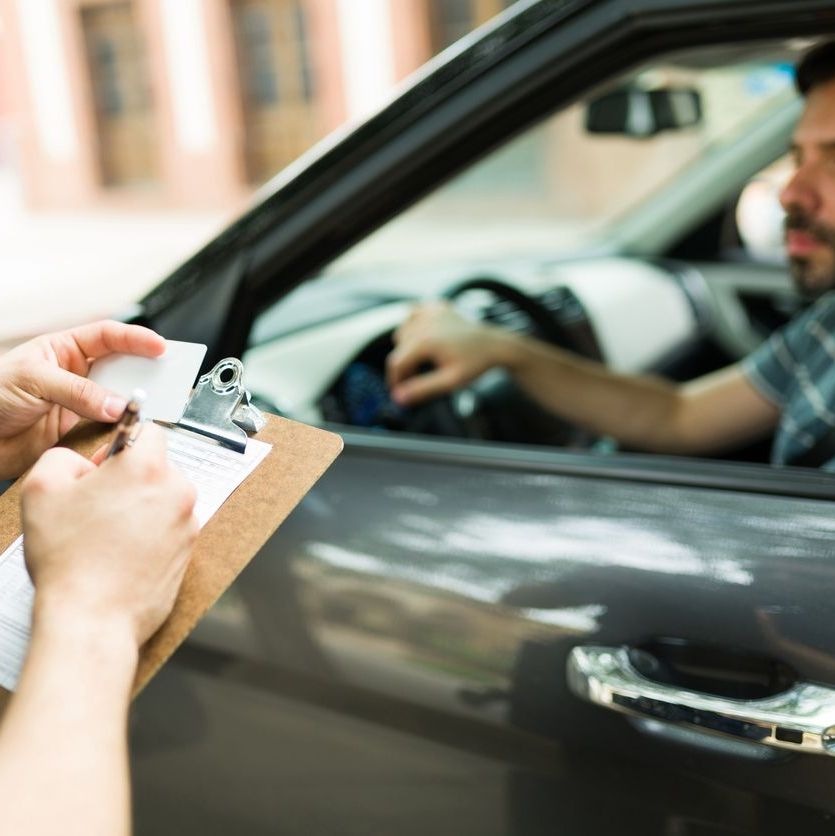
787 384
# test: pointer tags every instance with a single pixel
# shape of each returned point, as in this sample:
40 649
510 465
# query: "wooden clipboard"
300 454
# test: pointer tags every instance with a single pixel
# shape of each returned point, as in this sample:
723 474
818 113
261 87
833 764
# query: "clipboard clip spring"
221 408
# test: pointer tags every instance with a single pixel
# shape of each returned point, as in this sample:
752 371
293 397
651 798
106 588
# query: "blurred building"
189 103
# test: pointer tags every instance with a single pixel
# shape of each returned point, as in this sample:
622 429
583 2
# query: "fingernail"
114 406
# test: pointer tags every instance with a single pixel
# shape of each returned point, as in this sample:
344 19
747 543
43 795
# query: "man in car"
106 547
787 384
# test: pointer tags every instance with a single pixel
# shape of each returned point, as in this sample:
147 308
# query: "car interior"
639 227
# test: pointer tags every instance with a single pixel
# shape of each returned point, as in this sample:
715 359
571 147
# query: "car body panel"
415 606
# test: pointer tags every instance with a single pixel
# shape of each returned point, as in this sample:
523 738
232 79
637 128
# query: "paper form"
214 471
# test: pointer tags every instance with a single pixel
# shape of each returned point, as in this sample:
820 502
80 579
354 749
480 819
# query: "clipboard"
300 454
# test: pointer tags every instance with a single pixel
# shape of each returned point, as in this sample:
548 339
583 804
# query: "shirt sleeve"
772 367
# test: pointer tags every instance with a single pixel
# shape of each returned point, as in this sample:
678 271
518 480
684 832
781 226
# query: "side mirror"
639 113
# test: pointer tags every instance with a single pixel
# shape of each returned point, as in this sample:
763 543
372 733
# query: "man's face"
809 197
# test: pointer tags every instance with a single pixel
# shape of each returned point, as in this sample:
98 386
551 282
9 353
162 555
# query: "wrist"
507 349
103 640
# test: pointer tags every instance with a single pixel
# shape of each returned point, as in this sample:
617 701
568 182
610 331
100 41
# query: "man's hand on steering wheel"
456 351
438 364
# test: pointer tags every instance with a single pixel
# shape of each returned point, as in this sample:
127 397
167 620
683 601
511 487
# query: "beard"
813 275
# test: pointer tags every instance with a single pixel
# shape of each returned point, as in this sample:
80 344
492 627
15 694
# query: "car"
483 620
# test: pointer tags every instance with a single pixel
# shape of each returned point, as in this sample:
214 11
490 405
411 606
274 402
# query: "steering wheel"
493 406
545 325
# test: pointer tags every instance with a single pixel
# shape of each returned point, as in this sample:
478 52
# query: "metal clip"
221 408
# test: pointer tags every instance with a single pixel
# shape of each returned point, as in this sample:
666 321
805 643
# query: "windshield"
557 190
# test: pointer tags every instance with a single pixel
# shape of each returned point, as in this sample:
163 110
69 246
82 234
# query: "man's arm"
715 412
107 548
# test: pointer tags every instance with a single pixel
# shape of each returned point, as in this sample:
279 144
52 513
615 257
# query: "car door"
396 658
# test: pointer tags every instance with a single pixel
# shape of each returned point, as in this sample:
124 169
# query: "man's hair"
816 67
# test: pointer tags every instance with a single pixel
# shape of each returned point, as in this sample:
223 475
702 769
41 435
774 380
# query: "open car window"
560 190
585 216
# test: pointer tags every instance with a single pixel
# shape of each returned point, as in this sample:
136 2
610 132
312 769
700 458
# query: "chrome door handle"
801 718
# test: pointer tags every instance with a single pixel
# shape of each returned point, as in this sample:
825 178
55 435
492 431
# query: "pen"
126 426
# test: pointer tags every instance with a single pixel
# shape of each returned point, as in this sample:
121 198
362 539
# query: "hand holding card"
167 380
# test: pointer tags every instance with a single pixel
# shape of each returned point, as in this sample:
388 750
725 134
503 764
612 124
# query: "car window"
759 216
558 190
549 212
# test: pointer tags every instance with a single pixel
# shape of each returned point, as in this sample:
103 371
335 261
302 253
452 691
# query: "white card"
167 380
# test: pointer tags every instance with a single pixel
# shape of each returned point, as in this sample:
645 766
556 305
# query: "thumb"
80 395
427 385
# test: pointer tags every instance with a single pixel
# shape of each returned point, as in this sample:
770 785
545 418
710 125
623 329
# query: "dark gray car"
483 620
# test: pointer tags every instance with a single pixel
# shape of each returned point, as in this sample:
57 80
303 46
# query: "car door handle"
801 718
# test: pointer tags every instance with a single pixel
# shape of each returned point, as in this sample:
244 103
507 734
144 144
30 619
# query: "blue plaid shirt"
795 370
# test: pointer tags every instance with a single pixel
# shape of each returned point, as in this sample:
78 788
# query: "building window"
259 71
277 83
305 68
106 71
450 20
120 93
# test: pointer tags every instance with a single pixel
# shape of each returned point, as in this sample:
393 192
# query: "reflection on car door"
401 645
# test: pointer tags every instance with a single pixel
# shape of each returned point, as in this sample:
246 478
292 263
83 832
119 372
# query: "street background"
131 132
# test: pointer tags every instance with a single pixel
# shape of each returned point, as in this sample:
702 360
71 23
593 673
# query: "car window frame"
540 58
464 104
640 468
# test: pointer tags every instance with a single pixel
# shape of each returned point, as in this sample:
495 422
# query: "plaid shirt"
795 370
